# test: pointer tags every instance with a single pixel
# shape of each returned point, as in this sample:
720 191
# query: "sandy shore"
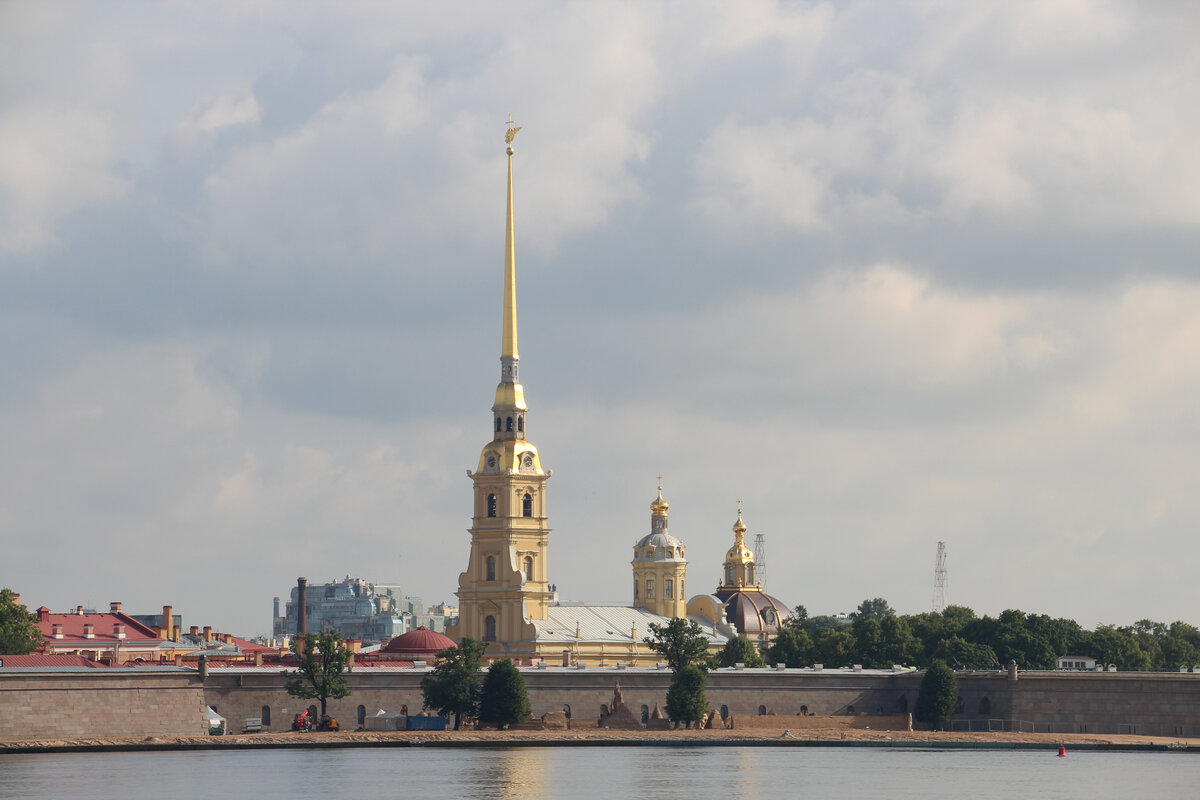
598 737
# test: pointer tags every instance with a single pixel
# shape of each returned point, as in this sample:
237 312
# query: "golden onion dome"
658 507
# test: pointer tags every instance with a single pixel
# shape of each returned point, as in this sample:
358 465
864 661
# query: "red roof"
39 660
102 623
420 641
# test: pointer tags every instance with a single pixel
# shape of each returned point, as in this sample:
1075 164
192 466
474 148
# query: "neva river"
645 773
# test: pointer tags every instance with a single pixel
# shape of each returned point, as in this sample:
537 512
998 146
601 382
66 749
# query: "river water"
644 773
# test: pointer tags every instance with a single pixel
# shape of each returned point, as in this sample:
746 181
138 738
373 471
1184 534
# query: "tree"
19 633
324 658
968 655
740 650
877 609
679 642
938 696
833 646
503 699
685 697
793 647
453 685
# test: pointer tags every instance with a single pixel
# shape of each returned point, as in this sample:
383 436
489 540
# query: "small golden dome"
659 506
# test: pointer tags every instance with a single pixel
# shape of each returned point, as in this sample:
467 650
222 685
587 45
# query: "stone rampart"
101 702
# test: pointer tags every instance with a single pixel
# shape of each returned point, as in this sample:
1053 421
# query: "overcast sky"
892 274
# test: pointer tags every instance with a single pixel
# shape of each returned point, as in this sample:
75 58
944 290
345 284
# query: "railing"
1119 729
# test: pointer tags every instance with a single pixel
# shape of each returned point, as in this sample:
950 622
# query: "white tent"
215 720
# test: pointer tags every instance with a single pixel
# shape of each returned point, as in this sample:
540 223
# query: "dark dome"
419 642
753 611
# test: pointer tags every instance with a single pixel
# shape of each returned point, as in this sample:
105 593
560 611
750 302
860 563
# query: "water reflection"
512 774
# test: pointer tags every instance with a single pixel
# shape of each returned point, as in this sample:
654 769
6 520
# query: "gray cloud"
890 275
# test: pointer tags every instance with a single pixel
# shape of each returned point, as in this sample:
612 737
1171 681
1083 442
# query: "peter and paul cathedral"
505 598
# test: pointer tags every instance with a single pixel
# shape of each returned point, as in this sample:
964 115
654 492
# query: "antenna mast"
939 580
760 556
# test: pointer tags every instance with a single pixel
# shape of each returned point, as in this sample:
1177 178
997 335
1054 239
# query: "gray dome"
659 547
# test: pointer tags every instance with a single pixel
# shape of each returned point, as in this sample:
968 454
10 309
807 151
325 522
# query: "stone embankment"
598 737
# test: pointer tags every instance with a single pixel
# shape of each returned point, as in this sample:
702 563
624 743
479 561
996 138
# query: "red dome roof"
422 640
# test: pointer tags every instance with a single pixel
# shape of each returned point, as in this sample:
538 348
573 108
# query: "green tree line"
877 637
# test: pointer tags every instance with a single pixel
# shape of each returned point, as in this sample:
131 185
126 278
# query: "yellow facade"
505 586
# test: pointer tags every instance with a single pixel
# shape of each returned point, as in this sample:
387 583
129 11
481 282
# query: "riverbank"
598 737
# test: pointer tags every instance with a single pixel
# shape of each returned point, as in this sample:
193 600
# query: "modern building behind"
358 609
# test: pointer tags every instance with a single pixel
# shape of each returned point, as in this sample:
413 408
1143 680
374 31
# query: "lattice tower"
760 555
939 580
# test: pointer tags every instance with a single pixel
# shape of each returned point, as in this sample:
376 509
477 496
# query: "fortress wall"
124 702
107 703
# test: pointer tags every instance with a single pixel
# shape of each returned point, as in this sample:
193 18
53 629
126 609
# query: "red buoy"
1062 751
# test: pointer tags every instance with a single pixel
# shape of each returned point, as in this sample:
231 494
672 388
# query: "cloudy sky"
892 274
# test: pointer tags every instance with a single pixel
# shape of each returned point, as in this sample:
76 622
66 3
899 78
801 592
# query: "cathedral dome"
421 644
658 547
753 611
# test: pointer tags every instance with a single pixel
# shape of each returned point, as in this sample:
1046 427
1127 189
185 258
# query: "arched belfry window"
491 568
669 589
489 629
521 424
528 568
527 505
491 505
635 590
508 424
497 424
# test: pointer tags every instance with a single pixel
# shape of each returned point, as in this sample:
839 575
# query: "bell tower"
505 585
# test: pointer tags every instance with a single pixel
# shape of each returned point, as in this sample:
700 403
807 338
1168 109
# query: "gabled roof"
72 627
42 660
598 623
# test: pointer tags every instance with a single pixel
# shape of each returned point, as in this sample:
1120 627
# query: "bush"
938 696
503 699
685 699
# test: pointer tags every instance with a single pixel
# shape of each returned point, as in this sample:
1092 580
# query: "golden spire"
509 348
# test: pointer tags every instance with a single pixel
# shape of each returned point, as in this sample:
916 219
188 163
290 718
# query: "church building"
505 597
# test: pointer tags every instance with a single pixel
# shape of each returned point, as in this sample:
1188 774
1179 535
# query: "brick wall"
106 703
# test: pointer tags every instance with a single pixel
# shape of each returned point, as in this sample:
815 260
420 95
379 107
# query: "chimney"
227 638
119 630
56 631
301 610
168 623
43 613
193 631
208 637
258 659
16 598
354 645
114 607
89 631
79 611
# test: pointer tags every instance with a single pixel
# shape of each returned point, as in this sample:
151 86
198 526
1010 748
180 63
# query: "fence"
1120 729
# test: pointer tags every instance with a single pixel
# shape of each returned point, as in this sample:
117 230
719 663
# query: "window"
527 505
508 424
521 424
528 568
491 505
489 629
724 712
645 714
265 713
497 424
362 715
985 706
649 588
635 591
803 710
669 589
762 711
567 709
491 568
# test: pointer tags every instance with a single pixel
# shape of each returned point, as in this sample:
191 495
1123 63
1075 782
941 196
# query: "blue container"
425 724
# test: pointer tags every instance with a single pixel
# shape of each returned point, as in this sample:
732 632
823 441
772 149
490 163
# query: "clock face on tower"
527 462
491 462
